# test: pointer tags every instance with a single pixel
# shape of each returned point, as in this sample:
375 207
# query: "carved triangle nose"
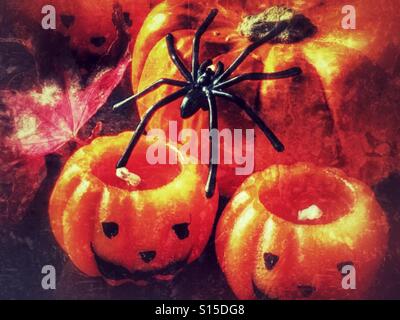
147 256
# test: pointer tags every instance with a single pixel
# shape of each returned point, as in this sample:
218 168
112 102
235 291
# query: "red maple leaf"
47 117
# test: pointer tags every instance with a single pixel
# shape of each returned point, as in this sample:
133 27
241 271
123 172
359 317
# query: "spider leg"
279 27
196 42
204 66
142 125
214 149
276 143
292 72
150 88
175 58
219 70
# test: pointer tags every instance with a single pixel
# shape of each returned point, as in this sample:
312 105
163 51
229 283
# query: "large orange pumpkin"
289 231
124 233
342 111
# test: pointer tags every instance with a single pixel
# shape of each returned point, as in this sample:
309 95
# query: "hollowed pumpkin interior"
152 176
309 198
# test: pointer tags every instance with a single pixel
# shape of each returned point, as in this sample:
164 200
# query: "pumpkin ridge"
78 253
259 241
71 202
229 257
58 209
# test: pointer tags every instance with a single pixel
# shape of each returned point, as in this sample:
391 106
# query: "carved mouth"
305 290
113 271
261 295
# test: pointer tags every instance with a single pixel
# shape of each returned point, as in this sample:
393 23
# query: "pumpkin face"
342 110
89 24
125 233
289 230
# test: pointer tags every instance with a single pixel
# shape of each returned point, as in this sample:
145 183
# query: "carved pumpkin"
342 111
130 233
289 231
89 24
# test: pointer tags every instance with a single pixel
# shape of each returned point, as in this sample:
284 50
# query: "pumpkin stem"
255 27
129 177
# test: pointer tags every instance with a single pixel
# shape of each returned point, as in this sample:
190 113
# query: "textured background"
29 245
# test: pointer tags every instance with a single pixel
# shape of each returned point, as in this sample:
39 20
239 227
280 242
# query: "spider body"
193 101
201 87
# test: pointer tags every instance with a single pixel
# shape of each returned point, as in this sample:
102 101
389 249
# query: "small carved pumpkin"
295 232
89 24
130 233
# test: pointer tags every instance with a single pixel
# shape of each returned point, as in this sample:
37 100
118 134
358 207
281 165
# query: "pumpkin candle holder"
289 231
141 231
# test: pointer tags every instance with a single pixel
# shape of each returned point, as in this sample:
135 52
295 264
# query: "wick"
129 177
310 213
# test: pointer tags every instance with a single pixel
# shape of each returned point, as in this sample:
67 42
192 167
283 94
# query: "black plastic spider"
201 87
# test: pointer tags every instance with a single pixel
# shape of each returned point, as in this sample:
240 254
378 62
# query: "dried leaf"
47 117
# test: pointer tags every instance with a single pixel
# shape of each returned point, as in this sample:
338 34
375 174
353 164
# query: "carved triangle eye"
110 229
181 230
67 20
270 260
